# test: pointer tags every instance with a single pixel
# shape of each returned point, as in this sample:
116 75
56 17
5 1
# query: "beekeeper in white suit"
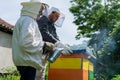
27 44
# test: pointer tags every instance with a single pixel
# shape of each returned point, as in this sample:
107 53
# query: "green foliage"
46 71
10 70
100 20
93 15
117 77
10 77
10 73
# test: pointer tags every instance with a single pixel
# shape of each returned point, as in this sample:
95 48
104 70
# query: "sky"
10 12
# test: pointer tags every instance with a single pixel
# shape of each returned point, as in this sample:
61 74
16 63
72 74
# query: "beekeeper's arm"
66 49
43 26
30 40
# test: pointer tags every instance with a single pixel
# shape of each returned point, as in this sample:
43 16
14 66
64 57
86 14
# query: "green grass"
14 74
10 73
46 71
10 77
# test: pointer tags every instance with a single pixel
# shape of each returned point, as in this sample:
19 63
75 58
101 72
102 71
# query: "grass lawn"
10 77
14 77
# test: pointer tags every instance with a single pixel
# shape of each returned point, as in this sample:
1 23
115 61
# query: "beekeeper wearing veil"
50 19
27 42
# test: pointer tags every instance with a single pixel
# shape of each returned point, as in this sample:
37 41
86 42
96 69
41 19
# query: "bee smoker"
55 55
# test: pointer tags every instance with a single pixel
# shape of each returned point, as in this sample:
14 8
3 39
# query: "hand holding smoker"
60 48
56 50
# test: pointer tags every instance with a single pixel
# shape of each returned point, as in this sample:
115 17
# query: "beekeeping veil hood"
31 8
61 18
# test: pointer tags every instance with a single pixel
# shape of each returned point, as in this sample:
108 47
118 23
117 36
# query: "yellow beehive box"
70 67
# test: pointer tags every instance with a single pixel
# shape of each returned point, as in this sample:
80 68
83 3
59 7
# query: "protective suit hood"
61 18
31 8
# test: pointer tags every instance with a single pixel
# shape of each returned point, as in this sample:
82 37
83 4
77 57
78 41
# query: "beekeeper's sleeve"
30 37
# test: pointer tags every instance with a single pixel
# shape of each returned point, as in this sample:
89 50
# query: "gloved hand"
48 47
66 49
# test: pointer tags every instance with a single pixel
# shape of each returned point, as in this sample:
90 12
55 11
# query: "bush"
117 77
10 70
9 73
10 77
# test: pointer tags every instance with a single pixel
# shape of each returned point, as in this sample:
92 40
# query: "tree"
99 20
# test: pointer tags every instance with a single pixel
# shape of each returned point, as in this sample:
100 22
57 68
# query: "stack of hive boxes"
71 67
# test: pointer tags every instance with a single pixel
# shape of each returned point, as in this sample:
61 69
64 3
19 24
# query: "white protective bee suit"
27 41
